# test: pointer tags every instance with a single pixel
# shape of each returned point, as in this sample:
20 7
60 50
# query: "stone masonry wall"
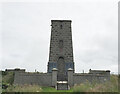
81 78
50 79
42 79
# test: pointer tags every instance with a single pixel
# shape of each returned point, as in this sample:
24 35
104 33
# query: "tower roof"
61 21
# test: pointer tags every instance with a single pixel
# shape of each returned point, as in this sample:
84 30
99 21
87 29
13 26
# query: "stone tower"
60 73
61 49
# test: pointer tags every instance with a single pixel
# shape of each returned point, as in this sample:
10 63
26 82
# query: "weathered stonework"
61 45
60 73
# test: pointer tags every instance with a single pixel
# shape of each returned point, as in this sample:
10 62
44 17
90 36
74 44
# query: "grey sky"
26 34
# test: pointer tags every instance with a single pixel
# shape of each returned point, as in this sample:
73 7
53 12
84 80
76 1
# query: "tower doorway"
61 75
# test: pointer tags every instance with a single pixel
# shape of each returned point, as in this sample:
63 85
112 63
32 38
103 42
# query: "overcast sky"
26 34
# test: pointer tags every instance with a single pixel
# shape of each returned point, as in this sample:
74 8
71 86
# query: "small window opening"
61 26
61 43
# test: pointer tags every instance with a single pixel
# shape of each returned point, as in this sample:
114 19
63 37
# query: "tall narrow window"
60 26
61 43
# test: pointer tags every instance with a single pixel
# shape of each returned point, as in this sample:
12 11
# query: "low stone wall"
81 78
42 79
50 79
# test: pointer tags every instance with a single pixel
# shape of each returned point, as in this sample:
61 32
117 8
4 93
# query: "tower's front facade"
61 49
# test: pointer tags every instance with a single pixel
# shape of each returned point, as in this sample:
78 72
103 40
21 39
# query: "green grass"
32 88
23 88
110 86
51 89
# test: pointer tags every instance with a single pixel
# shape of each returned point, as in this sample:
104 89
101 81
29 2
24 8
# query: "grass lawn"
50 89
